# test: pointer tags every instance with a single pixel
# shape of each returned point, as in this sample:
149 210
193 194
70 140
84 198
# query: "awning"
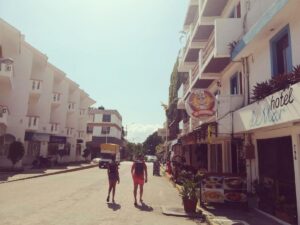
58 139
31 136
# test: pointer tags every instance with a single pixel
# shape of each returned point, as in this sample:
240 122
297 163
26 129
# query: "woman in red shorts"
140 176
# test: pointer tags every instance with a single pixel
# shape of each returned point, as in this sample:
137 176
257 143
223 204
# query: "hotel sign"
281 107
200 103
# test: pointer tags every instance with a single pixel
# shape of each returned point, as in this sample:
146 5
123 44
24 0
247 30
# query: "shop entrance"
276 187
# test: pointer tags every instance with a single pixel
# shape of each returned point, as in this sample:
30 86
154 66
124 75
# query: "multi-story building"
104 126
40 106
238 52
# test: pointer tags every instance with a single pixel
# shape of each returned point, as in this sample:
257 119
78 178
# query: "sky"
120 52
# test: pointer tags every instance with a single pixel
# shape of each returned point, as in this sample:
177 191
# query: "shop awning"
31 136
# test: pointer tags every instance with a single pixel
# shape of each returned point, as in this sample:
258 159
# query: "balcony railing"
6 72
3 115
69 131
82 112
54 128
56 98
35 87
195 71
71 107
81 134
208 48
32 122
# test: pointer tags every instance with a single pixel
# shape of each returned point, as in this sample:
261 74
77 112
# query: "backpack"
139 168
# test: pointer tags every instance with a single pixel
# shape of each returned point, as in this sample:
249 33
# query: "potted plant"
188 193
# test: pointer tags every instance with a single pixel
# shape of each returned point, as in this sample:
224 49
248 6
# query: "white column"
296 155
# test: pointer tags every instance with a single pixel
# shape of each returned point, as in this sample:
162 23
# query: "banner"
200 103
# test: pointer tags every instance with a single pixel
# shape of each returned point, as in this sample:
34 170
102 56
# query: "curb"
49 174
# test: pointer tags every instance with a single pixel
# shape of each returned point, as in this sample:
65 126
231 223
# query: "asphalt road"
79 198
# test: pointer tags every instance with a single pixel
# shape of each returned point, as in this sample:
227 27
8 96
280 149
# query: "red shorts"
138 180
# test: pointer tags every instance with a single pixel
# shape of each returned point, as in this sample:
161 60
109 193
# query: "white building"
44 109
231 46
104 126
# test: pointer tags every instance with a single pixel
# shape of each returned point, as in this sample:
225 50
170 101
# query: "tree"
16 152
151 142
134 149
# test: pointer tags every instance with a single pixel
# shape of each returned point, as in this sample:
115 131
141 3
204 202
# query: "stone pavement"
29 173
227 215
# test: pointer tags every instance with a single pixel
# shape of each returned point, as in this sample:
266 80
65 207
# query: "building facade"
40 106
245 54
104 126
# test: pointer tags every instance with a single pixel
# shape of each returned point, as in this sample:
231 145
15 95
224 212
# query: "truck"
107 151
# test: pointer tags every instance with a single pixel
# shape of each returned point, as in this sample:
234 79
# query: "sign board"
222 189
109 148
280 107
200 103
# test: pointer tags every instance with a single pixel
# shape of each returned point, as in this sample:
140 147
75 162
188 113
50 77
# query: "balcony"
229 103
35 88
6 74
212 8
69 131
56 99
81 134
216 54
54 128
3 115
32 123
82 112
71 107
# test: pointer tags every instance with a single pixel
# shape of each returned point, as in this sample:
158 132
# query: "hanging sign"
200 103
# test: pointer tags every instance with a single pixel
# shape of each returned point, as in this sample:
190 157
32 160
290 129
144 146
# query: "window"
105 130
281 54
236 84
106 118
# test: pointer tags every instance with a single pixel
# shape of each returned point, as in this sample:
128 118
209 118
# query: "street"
78 198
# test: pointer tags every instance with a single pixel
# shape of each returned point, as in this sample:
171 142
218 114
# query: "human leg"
113 191
109 190
141 192
135 192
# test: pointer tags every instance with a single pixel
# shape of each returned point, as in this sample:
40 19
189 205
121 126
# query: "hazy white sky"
121 52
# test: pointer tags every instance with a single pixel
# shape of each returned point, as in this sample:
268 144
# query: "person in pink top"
139 176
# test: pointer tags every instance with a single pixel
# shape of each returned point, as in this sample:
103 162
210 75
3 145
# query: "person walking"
113 178
140 176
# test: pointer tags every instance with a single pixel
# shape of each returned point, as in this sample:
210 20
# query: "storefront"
272 127
57 143
33 145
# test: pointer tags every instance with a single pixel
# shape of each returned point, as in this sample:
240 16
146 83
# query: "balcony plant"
277 83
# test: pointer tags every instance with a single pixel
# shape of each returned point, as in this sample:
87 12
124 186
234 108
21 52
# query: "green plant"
277 83
188 189
16 152
261 90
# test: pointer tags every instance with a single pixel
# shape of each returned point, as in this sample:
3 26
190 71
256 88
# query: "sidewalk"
29 173
226 215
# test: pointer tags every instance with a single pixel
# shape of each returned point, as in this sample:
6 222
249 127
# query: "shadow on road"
114 206
144 207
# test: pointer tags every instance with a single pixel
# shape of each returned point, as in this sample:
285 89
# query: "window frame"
273 49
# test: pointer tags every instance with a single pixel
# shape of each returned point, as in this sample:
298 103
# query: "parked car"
150 158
